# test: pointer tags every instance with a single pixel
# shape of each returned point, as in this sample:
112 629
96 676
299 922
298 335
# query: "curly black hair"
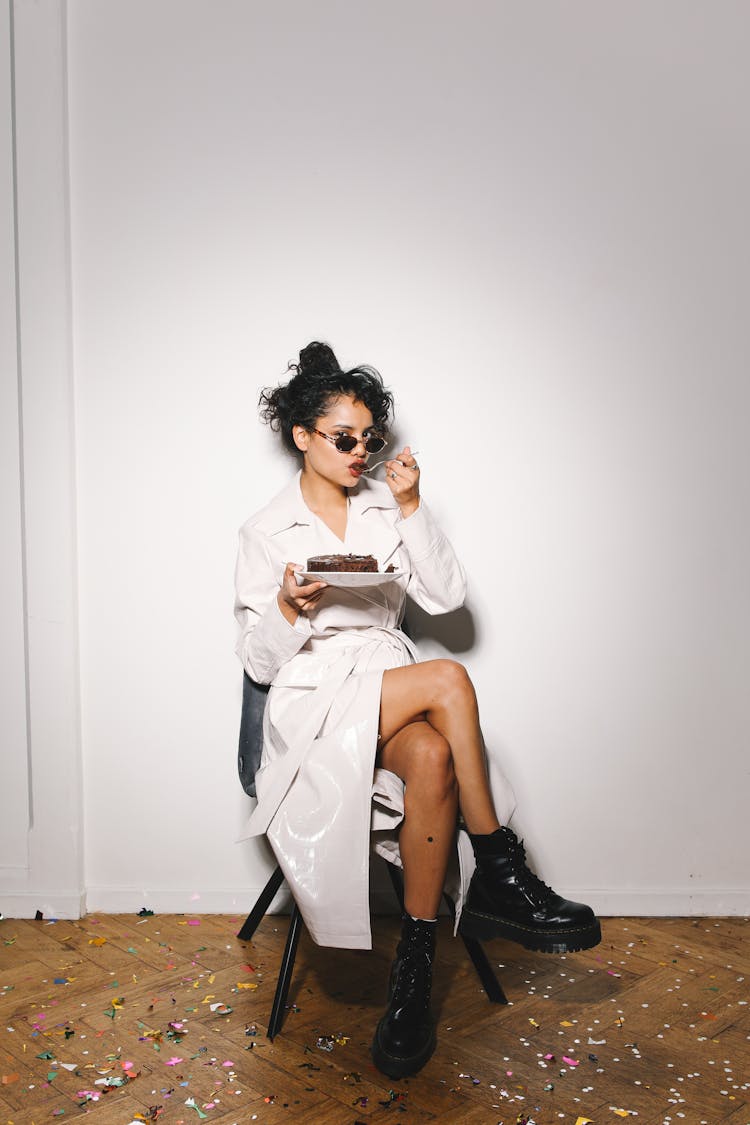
317 382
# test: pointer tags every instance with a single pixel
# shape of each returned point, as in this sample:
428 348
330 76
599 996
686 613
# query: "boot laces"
414 964
531 883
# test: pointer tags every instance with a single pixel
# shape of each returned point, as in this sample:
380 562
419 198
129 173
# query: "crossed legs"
430 738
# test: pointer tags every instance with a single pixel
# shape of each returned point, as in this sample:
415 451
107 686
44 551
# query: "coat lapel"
375 535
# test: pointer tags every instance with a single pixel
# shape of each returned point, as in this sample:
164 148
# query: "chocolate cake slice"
360 564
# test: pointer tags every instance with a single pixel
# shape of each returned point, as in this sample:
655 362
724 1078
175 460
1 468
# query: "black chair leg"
285 974
486 973
249 927
265 898
490 983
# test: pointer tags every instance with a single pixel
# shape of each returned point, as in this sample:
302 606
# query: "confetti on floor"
134 1018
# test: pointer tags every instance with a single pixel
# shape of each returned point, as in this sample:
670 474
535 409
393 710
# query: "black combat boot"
506 899
405 1037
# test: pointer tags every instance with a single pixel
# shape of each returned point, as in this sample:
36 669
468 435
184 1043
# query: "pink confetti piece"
174 1061
570 1062
227 1063
194 922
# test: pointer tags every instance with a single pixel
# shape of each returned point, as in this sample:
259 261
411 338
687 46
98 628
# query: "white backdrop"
532 218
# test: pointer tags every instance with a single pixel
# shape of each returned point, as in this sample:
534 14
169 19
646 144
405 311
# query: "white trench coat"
321 801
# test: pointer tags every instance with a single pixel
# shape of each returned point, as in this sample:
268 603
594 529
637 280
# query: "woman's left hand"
402 477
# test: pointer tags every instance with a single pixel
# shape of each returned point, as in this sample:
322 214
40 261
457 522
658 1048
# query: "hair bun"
318 360
317 382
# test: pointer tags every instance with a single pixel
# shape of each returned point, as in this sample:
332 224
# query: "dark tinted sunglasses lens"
345 443
374 444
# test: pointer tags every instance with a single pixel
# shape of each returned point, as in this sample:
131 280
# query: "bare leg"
440 693
422 759
505 898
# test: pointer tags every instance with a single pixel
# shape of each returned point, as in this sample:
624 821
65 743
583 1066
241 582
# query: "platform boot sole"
396 1066
484 927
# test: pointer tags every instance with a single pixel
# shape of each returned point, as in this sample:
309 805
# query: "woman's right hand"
294 599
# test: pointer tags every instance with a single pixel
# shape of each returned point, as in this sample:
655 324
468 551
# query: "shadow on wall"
455 632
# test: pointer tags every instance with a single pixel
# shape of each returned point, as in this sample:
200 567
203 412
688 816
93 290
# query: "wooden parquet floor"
128 1019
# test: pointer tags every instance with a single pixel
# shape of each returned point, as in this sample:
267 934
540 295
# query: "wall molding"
666 903
53 904
45 363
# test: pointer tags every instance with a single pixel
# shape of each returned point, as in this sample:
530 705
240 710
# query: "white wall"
532 219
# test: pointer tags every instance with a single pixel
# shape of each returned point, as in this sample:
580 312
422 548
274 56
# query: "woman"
359 736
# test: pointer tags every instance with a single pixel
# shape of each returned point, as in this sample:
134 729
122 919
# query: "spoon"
371 468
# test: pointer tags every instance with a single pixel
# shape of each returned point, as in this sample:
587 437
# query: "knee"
434 766
453 682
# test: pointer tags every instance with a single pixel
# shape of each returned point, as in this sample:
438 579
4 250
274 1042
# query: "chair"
248 759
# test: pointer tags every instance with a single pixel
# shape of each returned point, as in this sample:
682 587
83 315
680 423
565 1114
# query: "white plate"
346 579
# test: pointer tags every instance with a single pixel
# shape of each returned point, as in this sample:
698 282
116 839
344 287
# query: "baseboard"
715 902
51 904
129 900
661 903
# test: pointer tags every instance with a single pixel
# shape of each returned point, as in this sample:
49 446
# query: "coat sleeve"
266 639
438 581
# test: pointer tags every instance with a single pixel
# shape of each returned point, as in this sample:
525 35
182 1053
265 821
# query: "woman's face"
345 415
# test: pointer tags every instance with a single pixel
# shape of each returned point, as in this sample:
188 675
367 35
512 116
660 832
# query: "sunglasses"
345 443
